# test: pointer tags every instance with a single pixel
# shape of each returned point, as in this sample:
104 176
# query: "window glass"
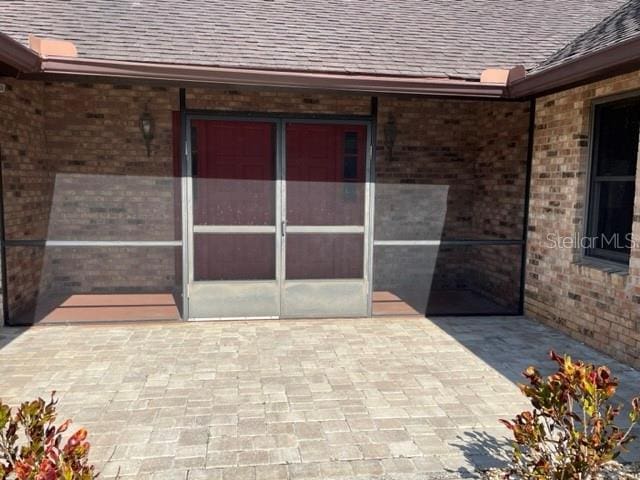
615 153
615 216
617 138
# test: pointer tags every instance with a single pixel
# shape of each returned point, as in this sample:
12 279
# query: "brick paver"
364 398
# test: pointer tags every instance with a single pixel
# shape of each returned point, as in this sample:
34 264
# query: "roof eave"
18 56
606 62
267 78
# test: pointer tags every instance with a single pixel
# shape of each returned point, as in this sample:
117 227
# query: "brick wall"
436 144
75 168
107 188
587 301
278 101
27 184
457 171
90 179
498 202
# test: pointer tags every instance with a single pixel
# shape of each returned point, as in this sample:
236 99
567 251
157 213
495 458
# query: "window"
350 156
350 166
612 183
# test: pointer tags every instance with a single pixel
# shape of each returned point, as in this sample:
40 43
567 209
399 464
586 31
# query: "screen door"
324 220
279 219
234 253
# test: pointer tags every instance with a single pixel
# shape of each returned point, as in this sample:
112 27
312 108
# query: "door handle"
283 227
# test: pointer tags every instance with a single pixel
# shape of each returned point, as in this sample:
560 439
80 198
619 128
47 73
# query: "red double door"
263 212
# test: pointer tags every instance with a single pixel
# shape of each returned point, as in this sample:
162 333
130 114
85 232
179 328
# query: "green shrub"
570 433
41 454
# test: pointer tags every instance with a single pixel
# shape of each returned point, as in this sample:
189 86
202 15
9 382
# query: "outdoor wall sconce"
390 133
146 127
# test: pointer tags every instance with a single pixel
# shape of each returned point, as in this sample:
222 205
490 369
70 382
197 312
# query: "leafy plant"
42 455
570 433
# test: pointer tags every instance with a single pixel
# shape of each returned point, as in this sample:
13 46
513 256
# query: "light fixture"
146 127
390 133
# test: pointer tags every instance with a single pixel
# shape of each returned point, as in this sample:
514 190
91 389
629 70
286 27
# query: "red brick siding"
277 101
592 305
105 185
27 184
477 151
499 191
107 188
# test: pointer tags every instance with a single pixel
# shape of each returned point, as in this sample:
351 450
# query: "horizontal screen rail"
234 229
92 243
247 229
325 229
444 243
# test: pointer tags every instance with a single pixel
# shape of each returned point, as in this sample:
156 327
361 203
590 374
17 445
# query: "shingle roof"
430 38
623 24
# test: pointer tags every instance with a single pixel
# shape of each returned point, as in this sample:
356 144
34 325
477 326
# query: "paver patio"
370 398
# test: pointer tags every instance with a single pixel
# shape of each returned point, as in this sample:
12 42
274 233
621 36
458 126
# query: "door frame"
280 121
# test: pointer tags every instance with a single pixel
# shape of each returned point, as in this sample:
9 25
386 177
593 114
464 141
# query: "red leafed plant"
570 433
42 454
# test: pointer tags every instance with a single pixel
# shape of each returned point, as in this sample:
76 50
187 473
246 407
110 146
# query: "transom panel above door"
277 219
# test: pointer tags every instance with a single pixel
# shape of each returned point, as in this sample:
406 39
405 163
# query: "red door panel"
324 256
234 173
233 256
234 184
325 174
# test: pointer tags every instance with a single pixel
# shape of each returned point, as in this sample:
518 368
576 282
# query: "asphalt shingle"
620 26
426 38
